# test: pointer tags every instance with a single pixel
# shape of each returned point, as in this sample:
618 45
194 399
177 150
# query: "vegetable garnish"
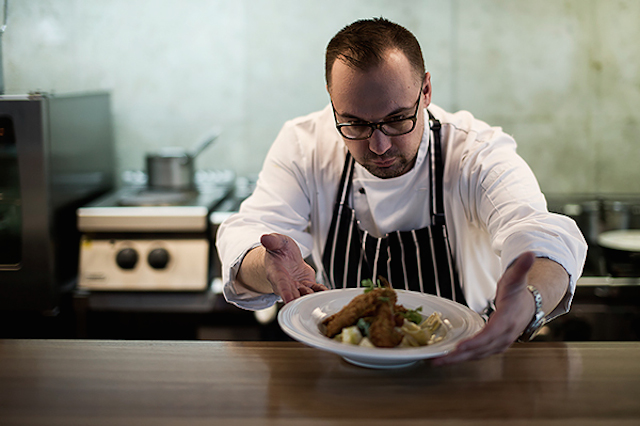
413 315
369 285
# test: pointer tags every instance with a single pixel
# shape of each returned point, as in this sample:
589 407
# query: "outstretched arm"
277 267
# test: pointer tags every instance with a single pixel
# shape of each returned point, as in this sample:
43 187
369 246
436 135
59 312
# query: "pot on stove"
172 168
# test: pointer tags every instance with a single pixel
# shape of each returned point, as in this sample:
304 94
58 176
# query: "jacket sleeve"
501 195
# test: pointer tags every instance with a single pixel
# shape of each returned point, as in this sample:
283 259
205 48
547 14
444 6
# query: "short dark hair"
362 45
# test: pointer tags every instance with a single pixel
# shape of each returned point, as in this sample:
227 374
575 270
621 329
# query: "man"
382 182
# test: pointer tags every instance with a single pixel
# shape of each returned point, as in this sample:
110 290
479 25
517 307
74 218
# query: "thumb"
514 277
274 242
521 265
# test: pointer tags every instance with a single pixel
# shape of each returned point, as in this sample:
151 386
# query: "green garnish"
413 315
369 285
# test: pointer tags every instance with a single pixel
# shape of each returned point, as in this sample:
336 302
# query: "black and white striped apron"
418 260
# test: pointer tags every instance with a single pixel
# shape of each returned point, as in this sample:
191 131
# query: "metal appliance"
141 238
56 154
606 305
243 187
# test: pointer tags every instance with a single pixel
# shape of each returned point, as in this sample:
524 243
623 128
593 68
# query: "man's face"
383 93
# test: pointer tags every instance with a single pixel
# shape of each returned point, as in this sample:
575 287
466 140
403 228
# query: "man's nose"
379 143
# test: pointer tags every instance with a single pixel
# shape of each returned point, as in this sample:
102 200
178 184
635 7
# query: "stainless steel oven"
56 154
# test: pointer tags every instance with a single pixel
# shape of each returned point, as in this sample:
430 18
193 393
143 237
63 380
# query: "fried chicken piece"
399 318
361 306
382 331
398 309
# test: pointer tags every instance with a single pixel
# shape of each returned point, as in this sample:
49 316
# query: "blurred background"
563 77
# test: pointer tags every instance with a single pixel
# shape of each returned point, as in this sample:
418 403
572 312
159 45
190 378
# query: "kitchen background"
562 76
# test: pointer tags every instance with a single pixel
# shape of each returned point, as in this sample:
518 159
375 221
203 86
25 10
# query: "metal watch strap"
538 317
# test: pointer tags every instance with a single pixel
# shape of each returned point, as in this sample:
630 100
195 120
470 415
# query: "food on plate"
375 319
364 305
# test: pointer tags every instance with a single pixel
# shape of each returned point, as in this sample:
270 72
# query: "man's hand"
514 310
277 266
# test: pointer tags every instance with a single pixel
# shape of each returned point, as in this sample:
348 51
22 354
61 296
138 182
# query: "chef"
382 182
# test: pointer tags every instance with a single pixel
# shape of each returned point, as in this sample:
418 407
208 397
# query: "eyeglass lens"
394 128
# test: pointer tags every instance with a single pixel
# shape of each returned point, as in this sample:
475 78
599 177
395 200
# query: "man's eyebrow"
391 114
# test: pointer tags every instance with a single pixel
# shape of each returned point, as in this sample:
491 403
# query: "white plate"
622 239
301 318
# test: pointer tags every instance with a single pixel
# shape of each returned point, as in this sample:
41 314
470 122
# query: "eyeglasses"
360 131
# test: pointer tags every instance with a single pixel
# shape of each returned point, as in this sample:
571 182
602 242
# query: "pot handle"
200 146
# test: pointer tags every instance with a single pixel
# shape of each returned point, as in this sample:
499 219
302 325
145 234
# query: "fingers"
304 290
288 293
292 291
287 272
488 342
317 287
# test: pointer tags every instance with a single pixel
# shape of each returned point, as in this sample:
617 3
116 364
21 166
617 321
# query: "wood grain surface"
88 382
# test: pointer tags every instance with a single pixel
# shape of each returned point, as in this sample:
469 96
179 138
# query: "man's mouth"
384 162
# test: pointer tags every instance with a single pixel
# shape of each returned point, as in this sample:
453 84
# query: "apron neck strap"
437 169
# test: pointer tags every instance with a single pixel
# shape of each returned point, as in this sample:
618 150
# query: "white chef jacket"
494 208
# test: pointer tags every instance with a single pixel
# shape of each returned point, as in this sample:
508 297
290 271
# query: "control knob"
127 258
158 258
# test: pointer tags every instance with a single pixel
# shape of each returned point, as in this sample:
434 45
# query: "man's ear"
426 89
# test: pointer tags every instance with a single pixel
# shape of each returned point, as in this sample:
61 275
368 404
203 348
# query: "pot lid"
625 239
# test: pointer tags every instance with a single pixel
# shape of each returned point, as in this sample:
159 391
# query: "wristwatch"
538 317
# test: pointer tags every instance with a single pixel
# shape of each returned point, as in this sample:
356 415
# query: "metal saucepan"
621 249
172 168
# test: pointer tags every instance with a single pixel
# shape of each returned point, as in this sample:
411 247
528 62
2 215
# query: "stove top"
143 209
142 196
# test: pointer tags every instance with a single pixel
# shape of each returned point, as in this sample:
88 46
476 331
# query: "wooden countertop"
88 382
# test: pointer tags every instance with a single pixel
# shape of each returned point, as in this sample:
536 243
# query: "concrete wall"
562 76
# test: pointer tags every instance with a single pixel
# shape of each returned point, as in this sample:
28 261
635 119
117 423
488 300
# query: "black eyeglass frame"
378 125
